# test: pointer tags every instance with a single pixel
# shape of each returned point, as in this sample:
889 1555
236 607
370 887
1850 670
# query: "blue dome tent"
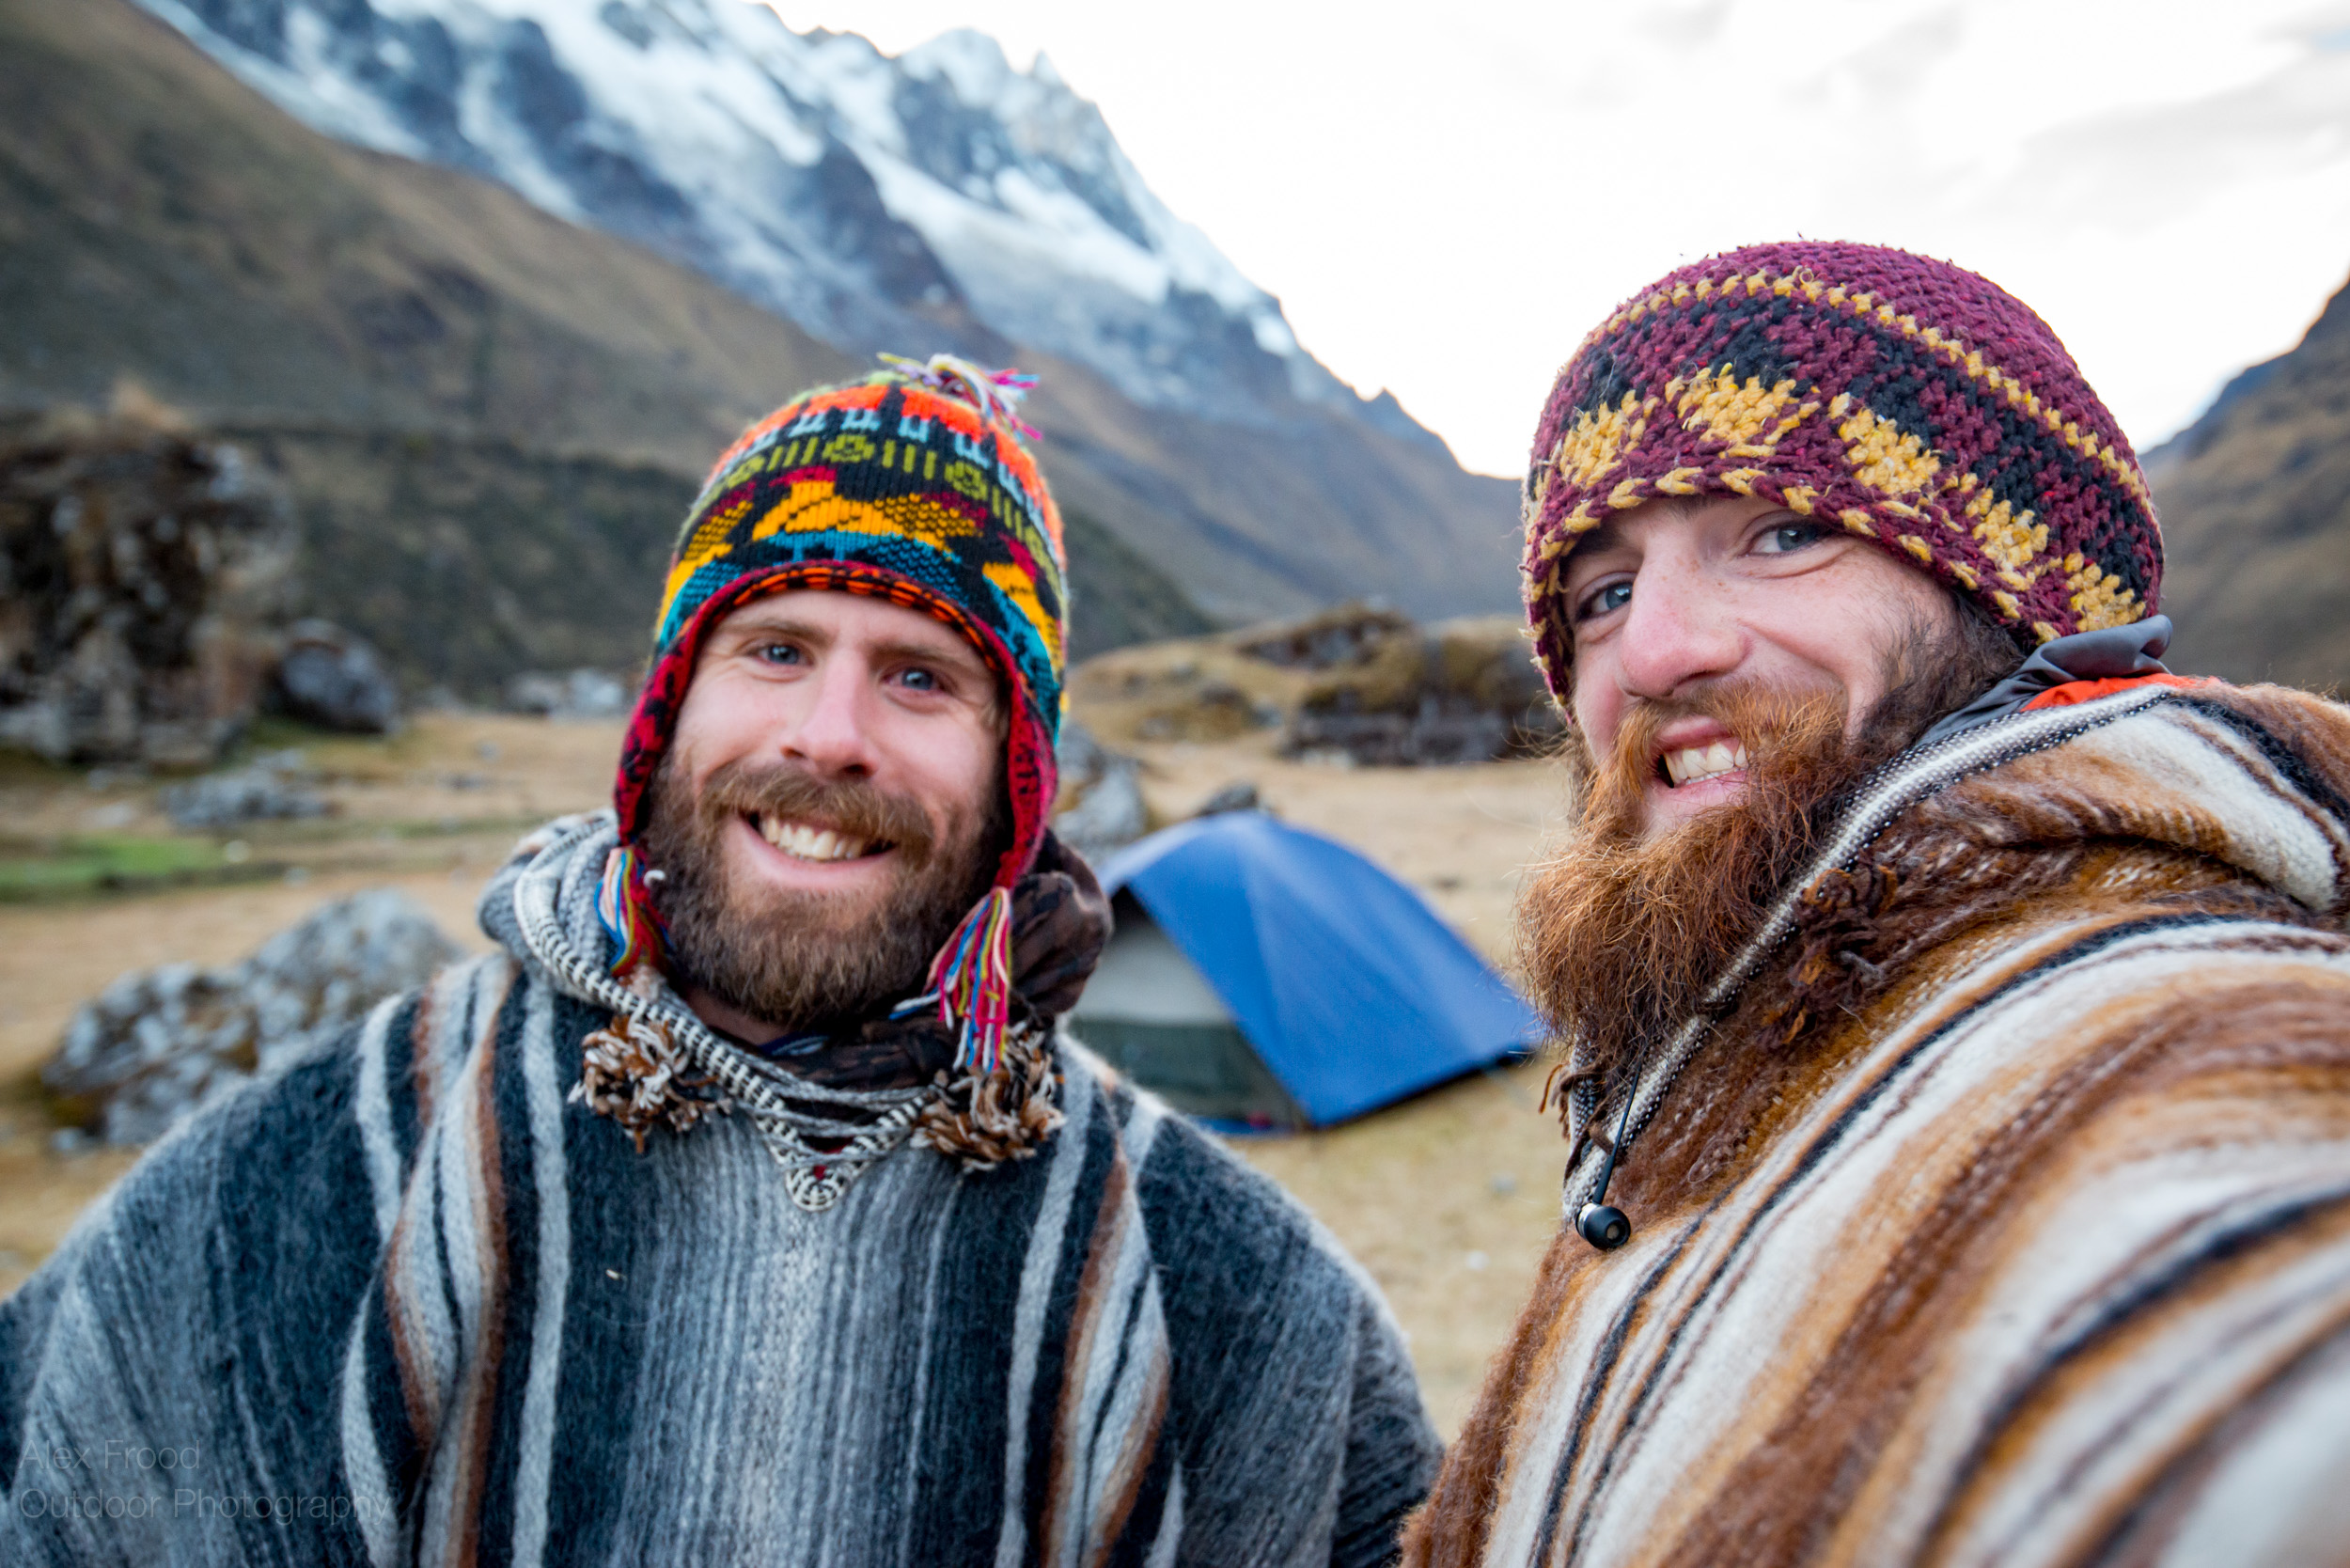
1264 975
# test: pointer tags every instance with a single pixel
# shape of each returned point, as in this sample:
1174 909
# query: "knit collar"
827 1108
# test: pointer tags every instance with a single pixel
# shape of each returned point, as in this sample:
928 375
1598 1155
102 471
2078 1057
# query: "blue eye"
1790 537
1606 601
921 680
780 654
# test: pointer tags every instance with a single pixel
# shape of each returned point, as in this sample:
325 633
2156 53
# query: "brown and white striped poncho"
2006 1219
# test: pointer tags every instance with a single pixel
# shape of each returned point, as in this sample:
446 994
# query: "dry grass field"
1448 1199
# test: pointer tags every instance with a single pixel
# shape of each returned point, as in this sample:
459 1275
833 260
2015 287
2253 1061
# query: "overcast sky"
1447 199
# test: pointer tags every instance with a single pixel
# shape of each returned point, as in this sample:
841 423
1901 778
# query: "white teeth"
1693 762
804 842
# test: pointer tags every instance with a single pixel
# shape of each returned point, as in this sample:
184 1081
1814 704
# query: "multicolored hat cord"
972 980
911 486
625 904
1912 402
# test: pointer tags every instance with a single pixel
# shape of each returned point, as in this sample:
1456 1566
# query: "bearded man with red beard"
1955 1003
745 1204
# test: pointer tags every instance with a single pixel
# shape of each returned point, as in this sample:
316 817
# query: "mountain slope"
156 219
160 220
2255 505
867 197
490 418
473 558
938 199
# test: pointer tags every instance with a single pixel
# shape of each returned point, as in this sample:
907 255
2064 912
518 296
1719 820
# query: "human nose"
1678 630
833 736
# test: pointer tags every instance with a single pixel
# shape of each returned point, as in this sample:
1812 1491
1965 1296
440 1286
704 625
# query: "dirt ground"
1448 1199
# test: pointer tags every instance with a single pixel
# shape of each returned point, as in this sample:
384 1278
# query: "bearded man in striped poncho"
745 1206
1958 1003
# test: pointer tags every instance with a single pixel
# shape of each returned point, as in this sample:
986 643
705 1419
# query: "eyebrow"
1607 536
774 626
961 652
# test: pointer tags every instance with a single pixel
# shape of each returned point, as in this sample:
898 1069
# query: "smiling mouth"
807 842
1689 764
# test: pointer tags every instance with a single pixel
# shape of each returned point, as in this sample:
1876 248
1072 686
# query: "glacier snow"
879 202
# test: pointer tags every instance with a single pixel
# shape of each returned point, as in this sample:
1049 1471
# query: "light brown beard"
1621 937
803 961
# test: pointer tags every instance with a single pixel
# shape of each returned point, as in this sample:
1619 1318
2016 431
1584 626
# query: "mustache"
1620 933
1784 734
850 806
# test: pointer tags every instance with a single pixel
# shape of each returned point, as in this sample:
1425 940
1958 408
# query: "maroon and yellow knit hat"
1919 405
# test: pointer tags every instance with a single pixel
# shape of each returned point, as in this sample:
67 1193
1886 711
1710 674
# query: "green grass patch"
71 868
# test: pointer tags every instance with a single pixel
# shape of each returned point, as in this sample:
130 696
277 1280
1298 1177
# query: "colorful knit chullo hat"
1921 407
910 486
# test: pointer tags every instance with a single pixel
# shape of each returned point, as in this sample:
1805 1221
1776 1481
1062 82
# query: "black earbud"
1605 1228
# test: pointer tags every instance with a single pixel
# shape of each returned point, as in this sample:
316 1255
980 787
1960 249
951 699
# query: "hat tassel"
972 980
626 907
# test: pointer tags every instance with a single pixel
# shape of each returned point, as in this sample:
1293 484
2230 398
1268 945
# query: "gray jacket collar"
2118 651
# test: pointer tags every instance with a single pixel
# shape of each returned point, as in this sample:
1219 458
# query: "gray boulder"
1101 808
335 680
275 786
143 570
1239 795
580 693
158 1044
1389 693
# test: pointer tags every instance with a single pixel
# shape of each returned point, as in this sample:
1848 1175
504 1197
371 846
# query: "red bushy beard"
805 961
1619 935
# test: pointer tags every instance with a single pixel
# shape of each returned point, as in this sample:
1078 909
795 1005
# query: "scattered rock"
272 786
1394 696
1239 795
582 694
1345 637
1214 711
1101 808
142 574
1357 684
159 1044
335 680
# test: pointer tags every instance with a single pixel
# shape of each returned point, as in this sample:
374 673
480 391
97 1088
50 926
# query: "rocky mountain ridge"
2254 498
490 418
873 200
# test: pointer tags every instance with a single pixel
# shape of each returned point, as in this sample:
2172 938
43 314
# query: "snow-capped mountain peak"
875 200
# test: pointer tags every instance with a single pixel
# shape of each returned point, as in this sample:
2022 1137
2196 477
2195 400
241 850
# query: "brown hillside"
490 420
159 220
2255 503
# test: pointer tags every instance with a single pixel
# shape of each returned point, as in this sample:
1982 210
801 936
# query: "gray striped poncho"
404 1303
